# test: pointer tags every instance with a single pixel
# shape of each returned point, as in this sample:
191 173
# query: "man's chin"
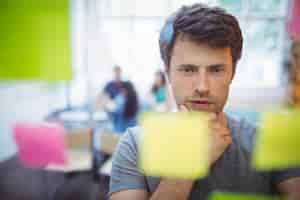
202 110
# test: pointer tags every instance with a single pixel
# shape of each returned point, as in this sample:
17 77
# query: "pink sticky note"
40 144
294 25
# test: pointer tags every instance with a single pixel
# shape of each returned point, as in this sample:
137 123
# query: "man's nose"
202 83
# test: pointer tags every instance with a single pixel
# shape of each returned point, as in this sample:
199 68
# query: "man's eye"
188 70
217 69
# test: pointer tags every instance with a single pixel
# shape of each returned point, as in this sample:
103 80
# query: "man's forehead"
184 38
189 53
187 49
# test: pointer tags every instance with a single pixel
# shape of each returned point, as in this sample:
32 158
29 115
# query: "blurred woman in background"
126 108
158 89
159 97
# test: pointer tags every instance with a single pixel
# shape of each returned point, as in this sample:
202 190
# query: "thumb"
183 108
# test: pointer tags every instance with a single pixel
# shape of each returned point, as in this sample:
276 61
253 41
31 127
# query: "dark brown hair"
209 25
131 100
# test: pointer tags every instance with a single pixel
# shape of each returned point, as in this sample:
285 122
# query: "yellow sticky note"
241 196
278 141
35 40
175 145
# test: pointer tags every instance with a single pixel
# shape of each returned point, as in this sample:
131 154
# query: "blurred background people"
158 89
111 89
159 97
120 100
125 109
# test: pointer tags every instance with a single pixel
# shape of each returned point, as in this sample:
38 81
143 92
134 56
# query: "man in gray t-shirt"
231 172
200 47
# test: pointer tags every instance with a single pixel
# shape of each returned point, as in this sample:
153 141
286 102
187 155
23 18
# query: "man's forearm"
173 189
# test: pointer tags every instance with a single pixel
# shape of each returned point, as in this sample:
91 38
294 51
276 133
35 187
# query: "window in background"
264 27
125 32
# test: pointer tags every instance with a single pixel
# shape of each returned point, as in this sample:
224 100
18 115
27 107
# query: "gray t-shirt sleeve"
125 174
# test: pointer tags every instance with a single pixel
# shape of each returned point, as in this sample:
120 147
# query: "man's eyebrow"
217 65
189 65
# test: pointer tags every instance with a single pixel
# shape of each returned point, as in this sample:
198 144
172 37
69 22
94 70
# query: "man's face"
200 75
117 72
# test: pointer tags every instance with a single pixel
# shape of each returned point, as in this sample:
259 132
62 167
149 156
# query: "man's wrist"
174 189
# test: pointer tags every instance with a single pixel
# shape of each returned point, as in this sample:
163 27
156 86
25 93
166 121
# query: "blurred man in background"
113 87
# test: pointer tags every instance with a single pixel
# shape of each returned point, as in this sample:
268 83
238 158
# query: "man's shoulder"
132 134
129 140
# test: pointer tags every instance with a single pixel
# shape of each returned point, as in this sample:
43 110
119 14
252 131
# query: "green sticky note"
278 141
241 196
35 40
175 145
